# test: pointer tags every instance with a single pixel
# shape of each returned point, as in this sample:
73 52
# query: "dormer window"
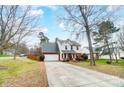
77 48
65 47
71 47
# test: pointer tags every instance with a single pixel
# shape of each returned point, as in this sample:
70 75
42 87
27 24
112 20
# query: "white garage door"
51 57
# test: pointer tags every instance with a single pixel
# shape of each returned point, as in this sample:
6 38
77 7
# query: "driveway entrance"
66 75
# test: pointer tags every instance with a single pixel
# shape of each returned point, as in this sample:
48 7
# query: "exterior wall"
85 50
120 54
8 52
62 47
104 57
79 49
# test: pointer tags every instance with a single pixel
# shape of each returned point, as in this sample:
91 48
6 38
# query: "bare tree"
22 48
82 18
15 24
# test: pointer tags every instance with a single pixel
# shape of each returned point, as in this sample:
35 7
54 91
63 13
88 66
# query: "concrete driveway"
61 74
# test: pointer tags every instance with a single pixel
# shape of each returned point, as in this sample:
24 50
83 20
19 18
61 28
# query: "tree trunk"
97 55
92 60
110 56
15 53
115 53
116 58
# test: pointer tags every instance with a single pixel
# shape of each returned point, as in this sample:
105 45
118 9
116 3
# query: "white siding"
104 57
62 47
121 54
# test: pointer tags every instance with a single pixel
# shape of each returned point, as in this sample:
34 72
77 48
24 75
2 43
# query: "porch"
69 55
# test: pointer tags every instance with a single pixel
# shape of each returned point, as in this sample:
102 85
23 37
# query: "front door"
70 56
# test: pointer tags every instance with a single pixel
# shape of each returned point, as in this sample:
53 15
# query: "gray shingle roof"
68 51
50 48
74 43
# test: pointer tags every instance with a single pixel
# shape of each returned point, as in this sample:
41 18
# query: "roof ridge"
71 42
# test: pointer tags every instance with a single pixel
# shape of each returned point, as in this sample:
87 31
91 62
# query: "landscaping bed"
22 72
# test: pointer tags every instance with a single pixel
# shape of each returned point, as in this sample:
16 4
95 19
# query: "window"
77 48
66 47
71 47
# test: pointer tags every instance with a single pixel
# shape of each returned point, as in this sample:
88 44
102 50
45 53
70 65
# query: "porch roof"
68 51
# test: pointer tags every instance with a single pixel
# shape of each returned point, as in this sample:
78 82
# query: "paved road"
66 75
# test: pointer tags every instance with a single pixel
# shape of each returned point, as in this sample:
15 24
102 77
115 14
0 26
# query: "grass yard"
22 72
116 69
5 56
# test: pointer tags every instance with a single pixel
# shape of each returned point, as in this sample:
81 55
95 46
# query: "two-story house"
61 50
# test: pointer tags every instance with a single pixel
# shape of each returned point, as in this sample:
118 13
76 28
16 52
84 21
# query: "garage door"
51 57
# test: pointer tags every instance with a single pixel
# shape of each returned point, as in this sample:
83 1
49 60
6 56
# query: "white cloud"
120 23
61 25
53 7
35 6
40 29
112 8
44 29
36 12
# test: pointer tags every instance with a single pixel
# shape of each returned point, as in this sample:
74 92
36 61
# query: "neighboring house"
104 53
119 53
61 50
86 51
8 52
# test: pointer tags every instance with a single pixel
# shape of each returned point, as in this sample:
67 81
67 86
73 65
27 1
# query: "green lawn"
14 70
5 55
116 69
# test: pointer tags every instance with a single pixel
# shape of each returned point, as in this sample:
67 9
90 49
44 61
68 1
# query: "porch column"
74 55
66 55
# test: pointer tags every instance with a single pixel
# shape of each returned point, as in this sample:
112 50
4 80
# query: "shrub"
85 57
108 62
78 59
122 57
31 56
36 57
41 58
